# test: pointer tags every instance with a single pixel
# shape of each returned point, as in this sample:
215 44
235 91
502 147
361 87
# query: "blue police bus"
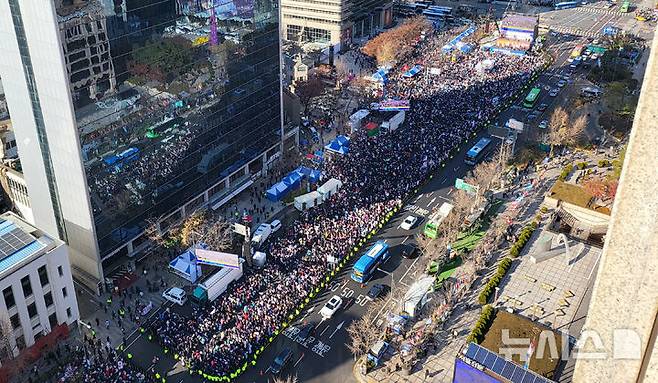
368 263
478 151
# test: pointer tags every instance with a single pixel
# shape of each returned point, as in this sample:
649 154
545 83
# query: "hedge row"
524 237
482 325
565 172
494 281
581 165
604 163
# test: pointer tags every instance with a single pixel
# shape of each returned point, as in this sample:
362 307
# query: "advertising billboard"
216 258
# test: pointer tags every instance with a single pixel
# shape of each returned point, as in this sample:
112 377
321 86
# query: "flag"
531 350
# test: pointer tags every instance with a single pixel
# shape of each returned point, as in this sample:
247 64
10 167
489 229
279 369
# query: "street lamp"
496 295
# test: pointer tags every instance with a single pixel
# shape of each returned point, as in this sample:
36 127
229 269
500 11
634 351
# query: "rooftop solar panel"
13 240
502 367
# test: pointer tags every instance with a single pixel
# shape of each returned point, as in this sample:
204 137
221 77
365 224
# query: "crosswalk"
602 11
574 31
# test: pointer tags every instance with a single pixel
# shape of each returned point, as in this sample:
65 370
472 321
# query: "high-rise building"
127 115
333 22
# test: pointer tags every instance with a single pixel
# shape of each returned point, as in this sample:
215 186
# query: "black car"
306 330
377 290
409 251
281 360
542 107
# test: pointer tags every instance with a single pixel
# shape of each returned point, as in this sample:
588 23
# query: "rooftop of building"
520 327
519 21
576 195
72 9
20 242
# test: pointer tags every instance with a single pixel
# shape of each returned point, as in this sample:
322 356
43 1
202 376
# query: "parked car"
543 124
561 83
330 308
281 360
175 295
306 330
554 92
542 107
409 251
533 116
409 222
376 291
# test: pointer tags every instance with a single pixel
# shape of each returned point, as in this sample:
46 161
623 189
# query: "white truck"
215 286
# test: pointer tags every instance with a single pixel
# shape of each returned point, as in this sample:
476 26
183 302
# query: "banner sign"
460 184
216 258
391 105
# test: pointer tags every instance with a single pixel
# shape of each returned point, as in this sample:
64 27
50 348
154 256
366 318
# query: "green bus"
431 229
531 98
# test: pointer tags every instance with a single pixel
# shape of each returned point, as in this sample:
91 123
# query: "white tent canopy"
329 188
416 296
308 201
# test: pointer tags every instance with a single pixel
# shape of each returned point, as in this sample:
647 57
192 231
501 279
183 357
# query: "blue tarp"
451 45
380 75
342 140
413 71
339 145
466 48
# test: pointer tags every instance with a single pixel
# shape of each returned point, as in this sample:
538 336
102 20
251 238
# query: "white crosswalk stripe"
602 11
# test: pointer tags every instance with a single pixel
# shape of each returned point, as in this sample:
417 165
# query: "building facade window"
43 275
64 292
32 310
8 294
60 271
68 312
48 299
27 286
15 321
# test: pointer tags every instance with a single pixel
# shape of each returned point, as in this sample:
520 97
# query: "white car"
561 83
543 124
275 225
175 295
330 308
554 92
409 222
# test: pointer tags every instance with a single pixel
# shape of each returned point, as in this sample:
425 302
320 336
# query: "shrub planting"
482 325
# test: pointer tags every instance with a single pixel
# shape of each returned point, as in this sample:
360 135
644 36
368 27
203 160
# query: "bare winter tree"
6 330
206 227
558 131
363 332
288 379
484 175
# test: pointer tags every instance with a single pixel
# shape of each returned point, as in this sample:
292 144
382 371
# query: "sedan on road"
376 291
330 308
554 92
543 124
409 222
561 83
533 116
542 107
281 360
409 251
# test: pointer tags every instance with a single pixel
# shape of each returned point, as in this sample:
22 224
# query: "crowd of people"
94 362
377 174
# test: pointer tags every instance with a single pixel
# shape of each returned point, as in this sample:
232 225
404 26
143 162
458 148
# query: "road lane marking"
431 202
340 325
298 360
323 331
384 271
405 239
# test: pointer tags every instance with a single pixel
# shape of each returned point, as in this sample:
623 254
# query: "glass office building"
174 104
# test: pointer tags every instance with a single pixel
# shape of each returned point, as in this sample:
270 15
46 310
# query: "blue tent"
186 266
276 192
342 140
413 71
313 175
380 75
293 179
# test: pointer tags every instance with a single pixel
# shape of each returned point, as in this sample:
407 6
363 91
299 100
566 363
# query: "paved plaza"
551 290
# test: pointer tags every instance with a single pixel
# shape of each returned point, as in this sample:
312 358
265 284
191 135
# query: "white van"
275 226
175 295
261 234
